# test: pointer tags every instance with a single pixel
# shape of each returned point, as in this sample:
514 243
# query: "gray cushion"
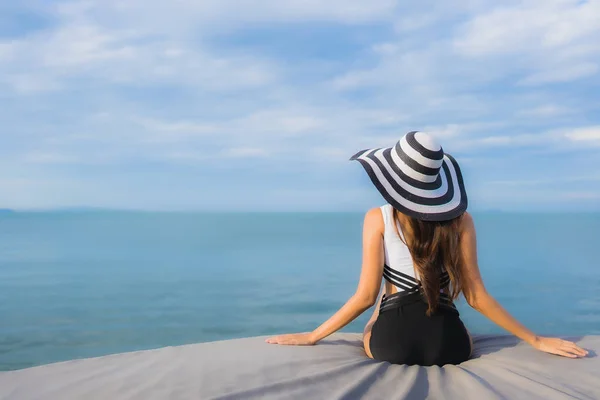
336 368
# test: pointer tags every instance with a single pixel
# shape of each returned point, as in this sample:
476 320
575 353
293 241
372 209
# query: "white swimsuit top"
399 269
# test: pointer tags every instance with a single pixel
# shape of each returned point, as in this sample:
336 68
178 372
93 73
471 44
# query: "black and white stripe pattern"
417 178
410 286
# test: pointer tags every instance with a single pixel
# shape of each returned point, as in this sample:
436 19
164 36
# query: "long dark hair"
434 247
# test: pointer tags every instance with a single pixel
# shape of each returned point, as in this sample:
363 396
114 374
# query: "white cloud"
529 24
553 138
200 157
186 157
244 152
414 22
278 122
7 50
209 14
547 110
545 181
531 42
585 134
30 83
174 130
451 130
327 154
496 140
564 74
265 123
581 195
504 141
51 158
558 41
196 83
82 46
79 44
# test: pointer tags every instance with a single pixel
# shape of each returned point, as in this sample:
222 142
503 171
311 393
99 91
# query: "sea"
89 283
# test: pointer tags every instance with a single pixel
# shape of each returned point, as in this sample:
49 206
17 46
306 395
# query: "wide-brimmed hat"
417 178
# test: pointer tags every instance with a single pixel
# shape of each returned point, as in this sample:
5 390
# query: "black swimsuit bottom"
404 334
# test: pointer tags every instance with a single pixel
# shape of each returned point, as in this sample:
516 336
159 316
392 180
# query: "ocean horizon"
80 283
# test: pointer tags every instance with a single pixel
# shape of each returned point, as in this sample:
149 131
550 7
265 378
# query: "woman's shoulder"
466 222
374 214
374 219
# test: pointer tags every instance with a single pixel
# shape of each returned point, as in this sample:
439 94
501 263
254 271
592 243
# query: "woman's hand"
559 346
294 339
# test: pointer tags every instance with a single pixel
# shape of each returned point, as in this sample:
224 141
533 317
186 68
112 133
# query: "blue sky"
257 105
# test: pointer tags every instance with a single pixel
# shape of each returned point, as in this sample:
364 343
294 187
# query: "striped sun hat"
417 178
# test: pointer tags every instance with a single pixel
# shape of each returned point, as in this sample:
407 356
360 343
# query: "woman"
423 244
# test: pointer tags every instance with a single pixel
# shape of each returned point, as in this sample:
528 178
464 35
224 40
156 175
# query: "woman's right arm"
478 298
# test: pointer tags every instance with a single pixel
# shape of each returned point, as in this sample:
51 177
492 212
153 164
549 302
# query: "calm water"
92 283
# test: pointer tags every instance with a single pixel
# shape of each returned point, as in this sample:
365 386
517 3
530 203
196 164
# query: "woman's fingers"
277 340
291 339
572 347
564 353
273 340
570 352
561 347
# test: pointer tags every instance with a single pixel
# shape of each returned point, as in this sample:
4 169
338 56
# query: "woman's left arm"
366 292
